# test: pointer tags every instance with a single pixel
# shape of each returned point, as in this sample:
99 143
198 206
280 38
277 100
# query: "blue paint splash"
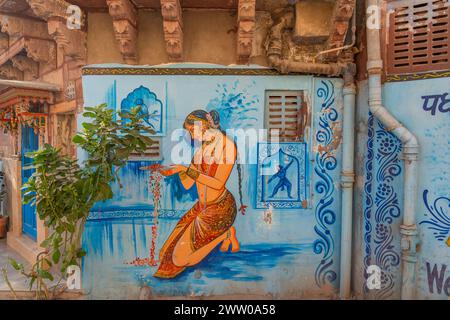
236 108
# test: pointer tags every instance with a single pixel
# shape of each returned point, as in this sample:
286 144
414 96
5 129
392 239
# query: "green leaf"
55 256
89 126
45 274
32 282
89 114
17 266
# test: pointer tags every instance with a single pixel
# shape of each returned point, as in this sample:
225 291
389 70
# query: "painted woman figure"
210 221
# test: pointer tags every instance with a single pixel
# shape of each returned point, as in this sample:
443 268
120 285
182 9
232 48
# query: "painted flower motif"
387 145
384 189
381 229
384 277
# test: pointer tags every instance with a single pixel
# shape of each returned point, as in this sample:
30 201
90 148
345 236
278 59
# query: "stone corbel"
125 23
246 29
29 67
9 72
173 29
342 14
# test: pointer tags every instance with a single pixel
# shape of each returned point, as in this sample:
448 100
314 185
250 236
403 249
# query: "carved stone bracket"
8 71
173 29
343 12
125 22
29 67
246 29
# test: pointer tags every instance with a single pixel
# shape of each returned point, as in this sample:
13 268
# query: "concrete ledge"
24 246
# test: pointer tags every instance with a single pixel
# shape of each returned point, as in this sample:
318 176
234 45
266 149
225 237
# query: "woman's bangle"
193 174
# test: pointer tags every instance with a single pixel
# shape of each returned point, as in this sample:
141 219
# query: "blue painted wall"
296 255
379 192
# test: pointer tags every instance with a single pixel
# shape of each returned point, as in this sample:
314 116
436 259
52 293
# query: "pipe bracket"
374 65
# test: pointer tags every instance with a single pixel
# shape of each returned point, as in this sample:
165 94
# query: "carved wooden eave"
13 96
25 103
342 15
246 29
125 23
73 42
173 29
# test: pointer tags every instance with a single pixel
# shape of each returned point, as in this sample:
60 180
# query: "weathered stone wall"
209 37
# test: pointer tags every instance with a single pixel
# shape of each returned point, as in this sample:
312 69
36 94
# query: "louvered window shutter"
153 153
285 115
418 36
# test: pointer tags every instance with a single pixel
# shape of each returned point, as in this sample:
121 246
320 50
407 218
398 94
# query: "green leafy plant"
64 192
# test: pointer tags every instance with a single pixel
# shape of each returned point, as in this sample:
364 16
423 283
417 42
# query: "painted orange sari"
211 220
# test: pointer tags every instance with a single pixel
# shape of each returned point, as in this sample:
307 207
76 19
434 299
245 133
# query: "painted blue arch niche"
151 107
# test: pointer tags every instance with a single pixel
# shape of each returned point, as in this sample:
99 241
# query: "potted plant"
3 216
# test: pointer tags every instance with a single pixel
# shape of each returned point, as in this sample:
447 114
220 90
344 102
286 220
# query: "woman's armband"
193 174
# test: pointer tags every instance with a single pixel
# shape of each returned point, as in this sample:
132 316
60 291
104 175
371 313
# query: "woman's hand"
173 169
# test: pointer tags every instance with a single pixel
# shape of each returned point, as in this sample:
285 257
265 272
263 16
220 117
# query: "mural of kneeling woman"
210 221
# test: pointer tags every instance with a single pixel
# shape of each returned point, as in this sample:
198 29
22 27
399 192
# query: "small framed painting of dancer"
282 175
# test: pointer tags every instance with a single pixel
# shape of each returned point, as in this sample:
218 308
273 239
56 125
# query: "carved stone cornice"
49 8
173 29
125 21
20 27
342 14
40 50
7 71
246 29
72 42
4 41
26 65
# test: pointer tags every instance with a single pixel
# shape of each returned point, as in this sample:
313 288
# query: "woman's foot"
225 244
235 246
230 240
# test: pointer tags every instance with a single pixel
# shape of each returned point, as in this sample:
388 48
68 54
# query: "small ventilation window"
419 36
285 117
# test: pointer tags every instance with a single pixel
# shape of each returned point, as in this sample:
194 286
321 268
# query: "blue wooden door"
30 142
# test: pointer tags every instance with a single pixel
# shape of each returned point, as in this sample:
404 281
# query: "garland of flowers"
155 188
